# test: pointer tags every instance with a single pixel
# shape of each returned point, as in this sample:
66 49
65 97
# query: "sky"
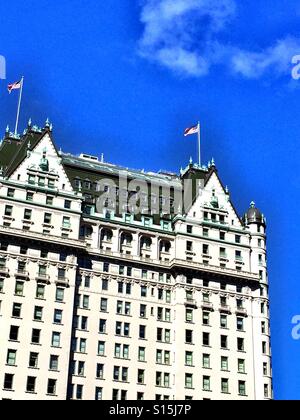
125 78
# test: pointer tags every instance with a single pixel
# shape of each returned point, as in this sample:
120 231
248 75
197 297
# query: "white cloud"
185 37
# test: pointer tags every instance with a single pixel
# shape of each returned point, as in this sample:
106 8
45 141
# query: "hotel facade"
102 302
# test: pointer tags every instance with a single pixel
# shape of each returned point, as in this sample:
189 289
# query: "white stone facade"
97 308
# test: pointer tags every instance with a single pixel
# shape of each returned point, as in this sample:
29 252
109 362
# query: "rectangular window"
33 360
103 305
30 385
55 342
242 388
38 313
206 361
8 381
224 363
205 339
100 371
225 386
47 218
14 333
206 383
51 387
59 297
19 289
27 214
8 210
53 364
40 291
16 311
141 376
102 326
35 336
11 357
189 336
101 348
241 366
57 319
189 358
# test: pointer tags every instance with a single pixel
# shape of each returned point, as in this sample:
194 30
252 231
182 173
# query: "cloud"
185 37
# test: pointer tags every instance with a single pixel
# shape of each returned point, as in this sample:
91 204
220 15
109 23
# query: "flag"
191 130
14 86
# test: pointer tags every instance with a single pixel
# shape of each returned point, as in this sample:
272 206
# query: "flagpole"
199 143
19 106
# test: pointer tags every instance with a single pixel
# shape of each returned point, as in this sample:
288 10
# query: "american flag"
191 130
14 86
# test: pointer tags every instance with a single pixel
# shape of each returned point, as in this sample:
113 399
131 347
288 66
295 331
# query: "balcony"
241 312
4 271
207 306
43 278
225 309
190 303
62 281
216 270
22 273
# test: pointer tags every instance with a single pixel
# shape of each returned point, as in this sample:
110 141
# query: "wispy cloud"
185 37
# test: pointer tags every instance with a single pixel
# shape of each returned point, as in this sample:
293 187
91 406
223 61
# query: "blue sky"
120 76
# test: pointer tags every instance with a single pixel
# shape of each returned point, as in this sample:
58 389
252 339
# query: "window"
104 284
223 321
189 336
237 239
53 364
67 204
51 387
224 342
30 385
242 388
85 302
1 285
264 347
222 236
142 332
240 324
102 326
40 291
143 311
189 229
206 361
82 345
14 333
11 357
33 360
205 318
101 348
27 214
55 342
98 394
57 319
38 313
189 246
106 267
189 358
189 380
224 363
206 383
19 289
81 368
8 210
241 366
103 305
10 192
224 386
35 336
266 391
143 291
47 218
16 311
49 200
59 297
189 315
141 354
141 376
240 344
265 369
100 371
206 339
8 381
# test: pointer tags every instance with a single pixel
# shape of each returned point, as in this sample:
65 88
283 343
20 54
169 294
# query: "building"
105 304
